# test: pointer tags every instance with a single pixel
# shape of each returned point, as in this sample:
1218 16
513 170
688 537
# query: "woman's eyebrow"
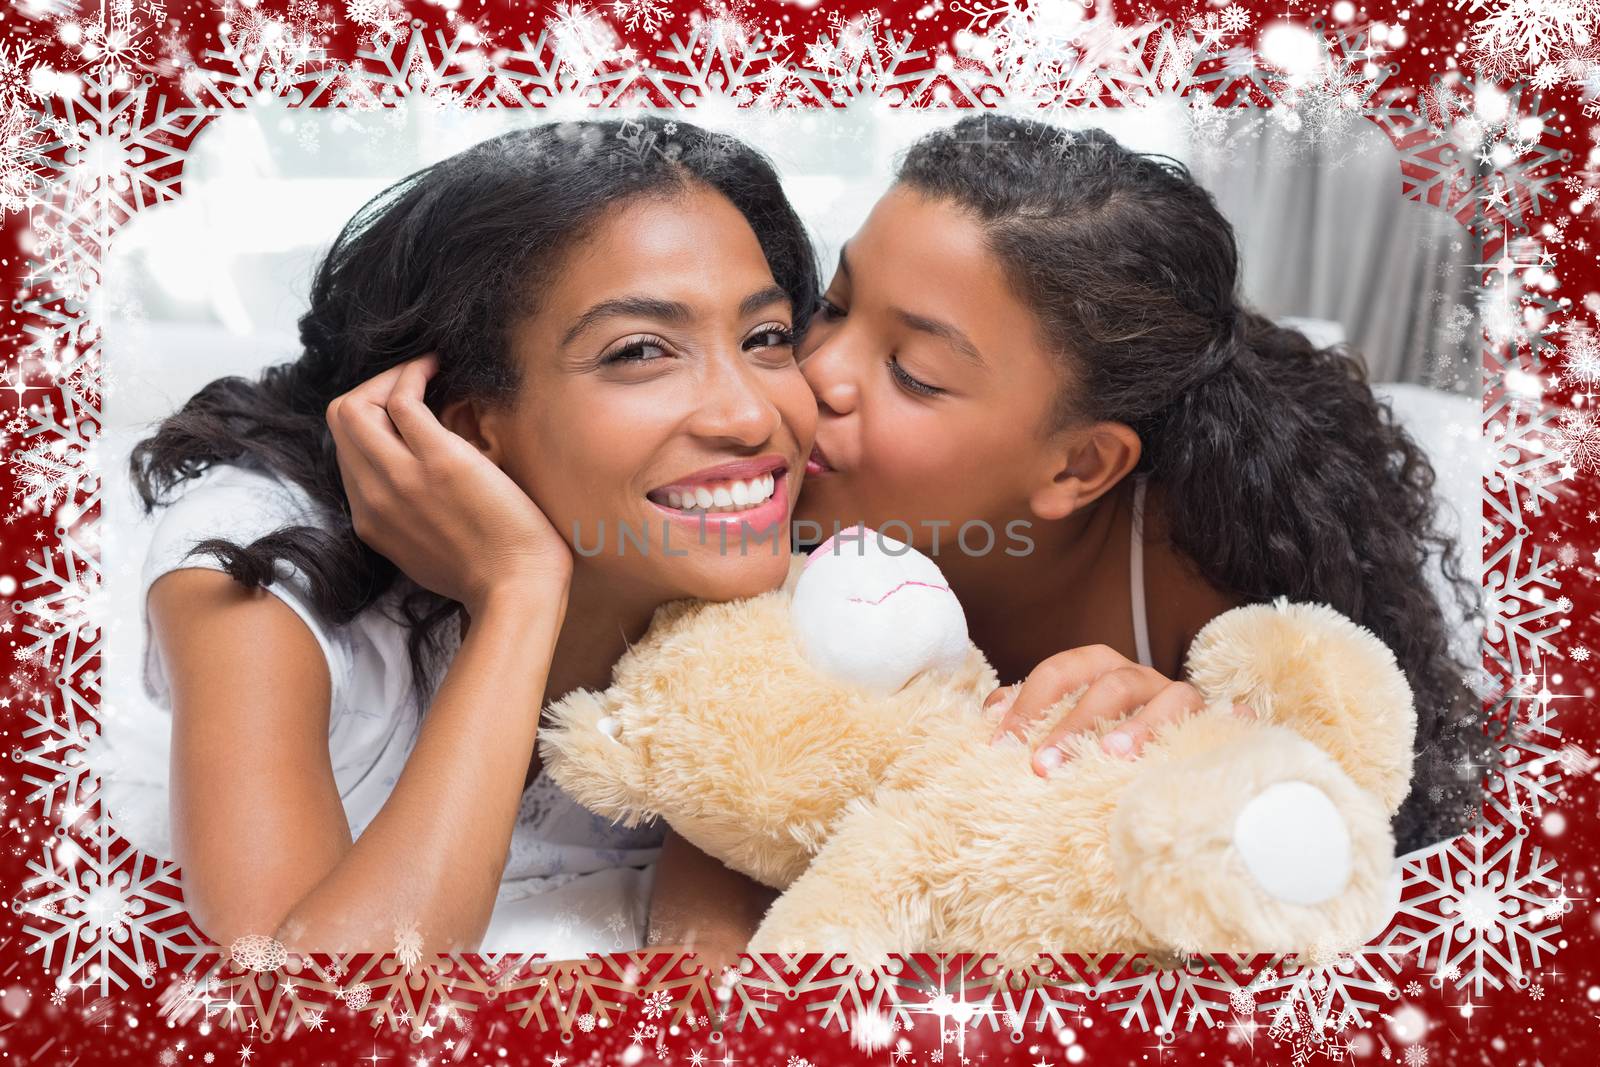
772 294
641 306
672 311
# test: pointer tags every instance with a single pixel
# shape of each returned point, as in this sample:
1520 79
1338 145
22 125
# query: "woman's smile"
753 491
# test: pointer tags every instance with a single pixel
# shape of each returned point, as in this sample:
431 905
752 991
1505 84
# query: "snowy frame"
98 152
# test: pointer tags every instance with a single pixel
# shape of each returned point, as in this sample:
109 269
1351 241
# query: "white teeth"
735 495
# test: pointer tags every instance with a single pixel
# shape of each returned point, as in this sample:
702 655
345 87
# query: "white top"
1141 624
572 882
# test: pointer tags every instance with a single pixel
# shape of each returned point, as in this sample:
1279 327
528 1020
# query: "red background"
1512 1025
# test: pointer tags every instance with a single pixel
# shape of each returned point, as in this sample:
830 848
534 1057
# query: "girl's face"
659 377
933 388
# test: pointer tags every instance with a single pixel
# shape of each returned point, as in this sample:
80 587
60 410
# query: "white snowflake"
656 1004
1353 987
1520 607
61 606
1234 19
641 15
1198 993
55 460
408 946
1522 34
1484 905
1582 361
100 905
52 754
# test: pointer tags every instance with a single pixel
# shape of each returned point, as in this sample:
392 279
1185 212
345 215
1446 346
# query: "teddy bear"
827 739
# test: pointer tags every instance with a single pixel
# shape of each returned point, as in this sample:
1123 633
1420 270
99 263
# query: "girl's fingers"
1063 673
1110 696
1177 701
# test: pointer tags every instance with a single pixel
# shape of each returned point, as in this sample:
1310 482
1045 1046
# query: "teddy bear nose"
872 611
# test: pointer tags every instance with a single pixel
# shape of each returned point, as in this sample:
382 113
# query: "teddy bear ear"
590 755
873 611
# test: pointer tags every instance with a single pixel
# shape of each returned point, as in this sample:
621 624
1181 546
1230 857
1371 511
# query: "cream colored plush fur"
894 827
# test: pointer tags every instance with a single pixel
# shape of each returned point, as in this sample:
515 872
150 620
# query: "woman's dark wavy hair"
1283 474
446 260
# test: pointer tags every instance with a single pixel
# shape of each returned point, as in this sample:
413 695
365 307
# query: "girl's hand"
436 506
1117 686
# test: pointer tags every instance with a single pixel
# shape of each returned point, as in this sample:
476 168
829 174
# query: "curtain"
1325 232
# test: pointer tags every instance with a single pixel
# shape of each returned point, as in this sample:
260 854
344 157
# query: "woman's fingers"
1063 673
1110 696
368 432
417 425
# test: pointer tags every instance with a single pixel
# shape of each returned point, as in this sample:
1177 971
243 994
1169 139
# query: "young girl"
609 338
1043 327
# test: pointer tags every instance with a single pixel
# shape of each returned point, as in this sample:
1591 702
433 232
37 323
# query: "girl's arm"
697 902
258 826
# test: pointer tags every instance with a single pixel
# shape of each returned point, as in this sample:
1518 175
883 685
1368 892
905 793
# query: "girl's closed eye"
828 309
911 384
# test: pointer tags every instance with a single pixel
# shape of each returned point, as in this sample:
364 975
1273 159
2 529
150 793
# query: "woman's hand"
1117 686
431 502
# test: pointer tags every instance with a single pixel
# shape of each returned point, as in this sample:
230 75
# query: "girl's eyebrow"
945 331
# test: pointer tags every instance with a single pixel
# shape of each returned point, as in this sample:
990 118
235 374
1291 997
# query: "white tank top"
1141 624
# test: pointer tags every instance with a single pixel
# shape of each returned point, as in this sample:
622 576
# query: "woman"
1042 327
609 352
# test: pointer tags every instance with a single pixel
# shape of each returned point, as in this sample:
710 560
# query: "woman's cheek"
798 406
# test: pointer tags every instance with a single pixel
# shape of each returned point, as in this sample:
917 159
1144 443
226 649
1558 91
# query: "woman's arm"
698 902
258 826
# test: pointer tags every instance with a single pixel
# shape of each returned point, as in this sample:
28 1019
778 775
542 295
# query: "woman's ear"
1082 464
471 420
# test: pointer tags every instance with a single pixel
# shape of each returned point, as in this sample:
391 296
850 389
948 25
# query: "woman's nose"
734 406
828 373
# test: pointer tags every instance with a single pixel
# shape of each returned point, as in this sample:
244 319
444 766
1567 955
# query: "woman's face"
659 377
933 388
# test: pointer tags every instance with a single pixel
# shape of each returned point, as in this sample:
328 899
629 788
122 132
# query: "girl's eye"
828 309
909 383
774 336
639 350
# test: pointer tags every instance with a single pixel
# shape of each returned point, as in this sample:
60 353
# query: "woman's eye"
909 383
643 350
770 337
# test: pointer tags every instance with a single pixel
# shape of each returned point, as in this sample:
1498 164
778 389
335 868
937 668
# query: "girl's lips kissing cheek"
818 463
753 491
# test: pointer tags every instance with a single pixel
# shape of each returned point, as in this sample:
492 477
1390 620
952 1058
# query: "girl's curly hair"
1283 474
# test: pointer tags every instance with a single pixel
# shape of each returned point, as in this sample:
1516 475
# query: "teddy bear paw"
1295 843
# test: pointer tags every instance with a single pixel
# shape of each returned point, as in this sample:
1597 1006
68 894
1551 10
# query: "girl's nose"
828 373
